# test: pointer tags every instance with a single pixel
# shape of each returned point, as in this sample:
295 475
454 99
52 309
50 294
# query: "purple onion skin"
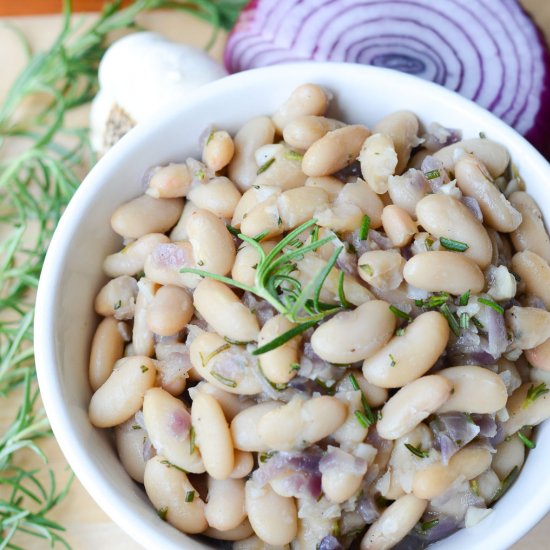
355 31
418 541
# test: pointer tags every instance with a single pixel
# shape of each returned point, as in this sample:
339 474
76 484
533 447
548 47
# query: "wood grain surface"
88 528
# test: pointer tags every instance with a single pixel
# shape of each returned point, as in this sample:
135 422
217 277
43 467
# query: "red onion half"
489 50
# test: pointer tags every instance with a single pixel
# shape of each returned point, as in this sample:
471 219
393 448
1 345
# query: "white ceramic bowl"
72 272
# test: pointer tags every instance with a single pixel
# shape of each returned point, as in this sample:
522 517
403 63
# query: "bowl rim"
50 383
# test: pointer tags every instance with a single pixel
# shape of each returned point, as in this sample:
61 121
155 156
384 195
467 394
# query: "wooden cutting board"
88 528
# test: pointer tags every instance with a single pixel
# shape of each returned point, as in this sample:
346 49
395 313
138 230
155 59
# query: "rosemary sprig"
275 284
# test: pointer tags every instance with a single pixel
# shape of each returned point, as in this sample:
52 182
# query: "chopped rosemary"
265 166
455 246
416 451
478 324
331 390
117 305
464 299
205 359
162 513
474 487
429 244
235 342
369 416
136 427
505 484
491 304
393 362
283 338
533 393
144 369
189 496
364 229
293 155
432 174
367 269
264 457
295 367
341 295
400 313
274 284
229 382
526 441
362 419
400 332
433 301
425 526
464 320
192 437
451 319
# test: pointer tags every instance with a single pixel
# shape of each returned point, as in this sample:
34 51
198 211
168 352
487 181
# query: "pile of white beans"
281 450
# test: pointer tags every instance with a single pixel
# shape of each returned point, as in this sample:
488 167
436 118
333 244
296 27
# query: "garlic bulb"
138 75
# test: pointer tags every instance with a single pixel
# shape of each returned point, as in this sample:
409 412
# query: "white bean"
539 356
531 233
402 128
131 259
382 269
164 264
534 273
273 517
224 311
299 205
445 271
117 298
244 427
107 349
493 155
300 423
218 150
394 523
445 216
179 231
510 454
225 508
475 390
213 436
169 491
472 180
526 410
170 181
283 170
360 194
398 225
255 133
230 403
530 326
170 310
168 424
244 267
213 246
121 396
303 131
142 336
145 215
412 404
334 151
331 185
378 160
219 196
405 358
352 336
408 190
307 99
239 533
130 445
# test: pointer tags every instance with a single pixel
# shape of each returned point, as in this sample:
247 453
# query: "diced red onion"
489 52
452 431
336 459
382 242
431 164
487 425
329 543
496 333
473 206
302 469
438 137
416 540
498 438
263 310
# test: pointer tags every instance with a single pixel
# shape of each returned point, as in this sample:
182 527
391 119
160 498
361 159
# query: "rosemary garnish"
533 393
369 416
526 441
144 369
293 155
432 174
474 487
189 496
367 269
400 313
274 282
265 166
362 419
491 304
264 457
464 321
451 319
205 359
364 229
341 295
425 526
235 342
192 437
162 513
505 484
434 301
464 299
393 362
455 246
417 451
229 382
